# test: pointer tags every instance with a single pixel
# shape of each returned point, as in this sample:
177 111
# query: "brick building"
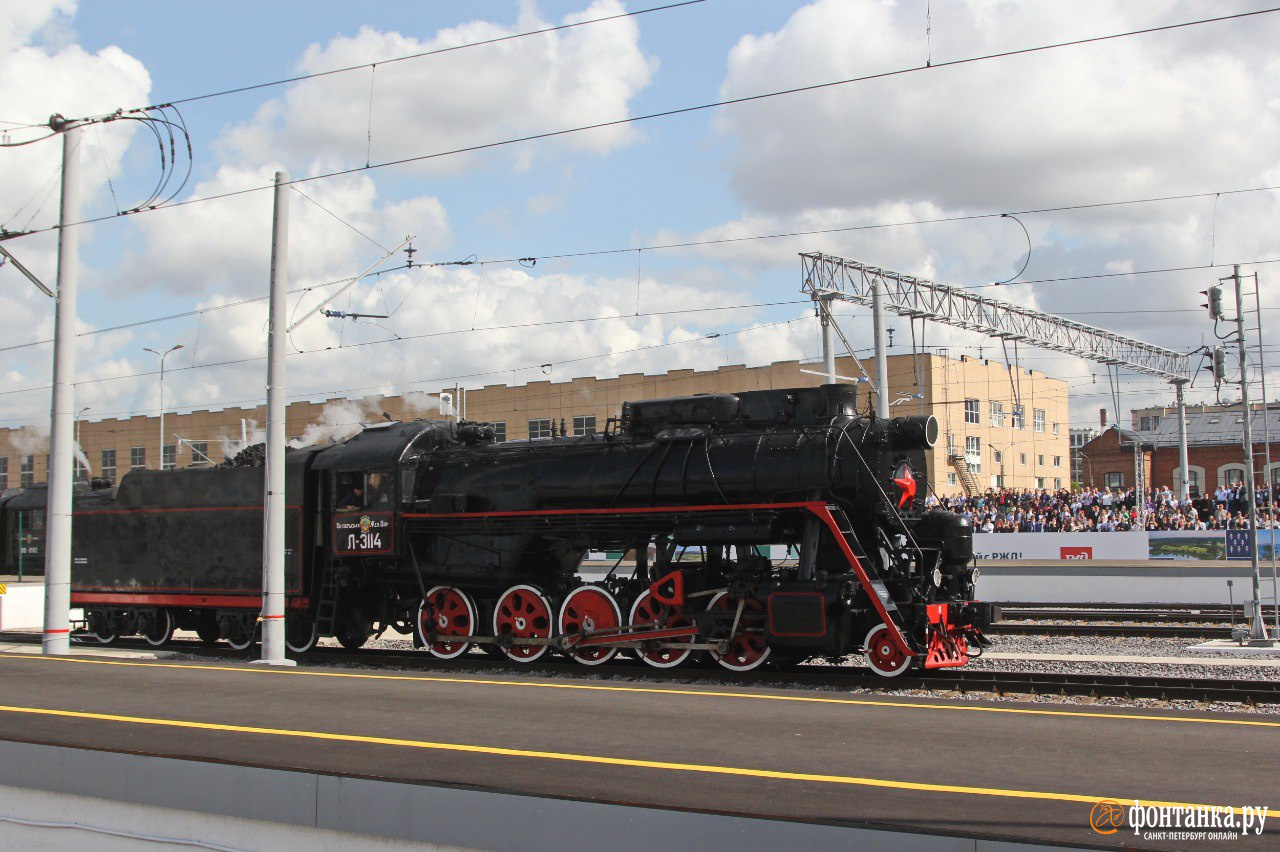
987 436
1215 453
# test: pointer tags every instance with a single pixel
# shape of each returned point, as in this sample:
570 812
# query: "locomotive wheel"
162 630
747 647
522 612
883 656
589 608
452 613
646 612
300 635
104 638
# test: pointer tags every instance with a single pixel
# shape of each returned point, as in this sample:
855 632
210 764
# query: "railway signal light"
1213 295
1219 363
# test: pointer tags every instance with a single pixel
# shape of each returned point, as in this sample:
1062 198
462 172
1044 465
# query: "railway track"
813 676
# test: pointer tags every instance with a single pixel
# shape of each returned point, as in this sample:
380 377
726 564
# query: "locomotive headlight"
937 576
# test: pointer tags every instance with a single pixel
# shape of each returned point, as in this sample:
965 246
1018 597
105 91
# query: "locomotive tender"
765 526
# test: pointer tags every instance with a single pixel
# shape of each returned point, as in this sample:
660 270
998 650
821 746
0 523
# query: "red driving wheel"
446 611
588 609
747 648
883 656
522 612
653 614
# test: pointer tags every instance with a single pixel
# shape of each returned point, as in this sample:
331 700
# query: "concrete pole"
882 360
1257 628
1266 442
1184 487
57 564
828 342
273 538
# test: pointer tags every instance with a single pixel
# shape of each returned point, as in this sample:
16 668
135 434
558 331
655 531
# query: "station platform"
966 775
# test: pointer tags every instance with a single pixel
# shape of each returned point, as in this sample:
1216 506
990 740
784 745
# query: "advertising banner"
1083 546
1187 544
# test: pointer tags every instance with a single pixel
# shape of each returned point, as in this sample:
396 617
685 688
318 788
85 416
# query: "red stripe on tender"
812 506
227 601
58 631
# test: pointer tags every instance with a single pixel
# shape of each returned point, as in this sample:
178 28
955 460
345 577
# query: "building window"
27 471
1055 428
971 411
1040 460
1040 482
137 458
997 413
585 425
169 458
1195 478
1144 424
997 481
1037 419
997 456
951 478
1057 461
1230 474
1022 458
108 469
1057 482
200 454
499 431
1113 479
973 453
539 428
1019 417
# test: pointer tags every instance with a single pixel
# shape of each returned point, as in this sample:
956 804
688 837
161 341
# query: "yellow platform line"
657 690
708 769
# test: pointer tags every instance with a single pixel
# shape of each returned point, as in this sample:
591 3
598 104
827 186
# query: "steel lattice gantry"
917 297
826 277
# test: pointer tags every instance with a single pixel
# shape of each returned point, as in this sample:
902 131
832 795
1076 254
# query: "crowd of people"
1106 510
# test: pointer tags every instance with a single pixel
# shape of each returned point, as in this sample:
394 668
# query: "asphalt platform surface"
996 770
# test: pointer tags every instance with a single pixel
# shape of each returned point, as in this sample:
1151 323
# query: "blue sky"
1191 111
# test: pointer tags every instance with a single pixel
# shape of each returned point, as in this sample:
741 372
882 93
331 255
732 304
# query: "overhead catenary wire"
667 113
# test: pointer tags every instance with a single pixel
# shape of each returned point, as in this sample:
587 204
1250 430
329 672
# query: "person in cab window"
379 493
352 499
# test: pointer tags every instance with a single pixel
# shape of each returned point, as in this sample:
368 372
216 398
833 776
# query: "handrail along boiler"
765 526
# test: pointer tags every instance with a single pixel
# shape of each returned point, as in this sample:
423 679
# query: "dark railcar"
183 549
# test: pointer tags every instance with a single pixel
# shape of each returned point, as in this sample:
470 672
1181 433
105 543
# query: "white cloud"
466 98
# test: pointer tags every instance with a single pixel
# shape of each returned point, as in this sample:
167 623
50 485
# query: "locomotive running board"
818 508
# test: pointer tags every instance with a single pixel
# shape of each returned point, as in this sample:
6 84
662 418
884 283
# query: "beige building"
1000 426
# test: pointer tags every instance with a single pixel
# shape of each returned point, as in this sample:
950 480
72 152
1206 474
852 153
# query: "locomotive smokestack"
914 432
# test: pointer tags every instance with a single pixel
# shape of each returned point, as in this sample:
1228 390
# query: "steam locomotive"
761 527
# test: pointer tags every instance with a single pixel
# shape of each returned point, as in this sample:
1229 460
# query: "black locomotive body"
767 525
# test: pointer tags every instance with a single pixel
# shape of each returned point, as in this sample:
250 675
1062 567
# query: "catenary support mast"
57 566
273 537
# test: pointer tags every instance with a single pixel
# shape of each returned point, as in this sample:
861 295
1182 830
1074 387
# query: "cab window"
357 490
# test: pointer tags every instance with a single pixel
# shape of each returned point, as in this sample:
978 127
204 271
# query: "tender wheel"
522 612
99 627
883 656
649 612
354 630
586 609
242 633
208 632
747 648
161 630
448 612
300 635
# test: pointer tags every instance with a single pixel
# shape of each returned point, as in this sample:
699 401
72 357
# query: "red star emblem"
903 479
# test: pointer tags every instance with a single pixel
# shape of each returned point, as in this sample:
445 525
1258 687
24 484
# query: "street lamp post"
162 356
